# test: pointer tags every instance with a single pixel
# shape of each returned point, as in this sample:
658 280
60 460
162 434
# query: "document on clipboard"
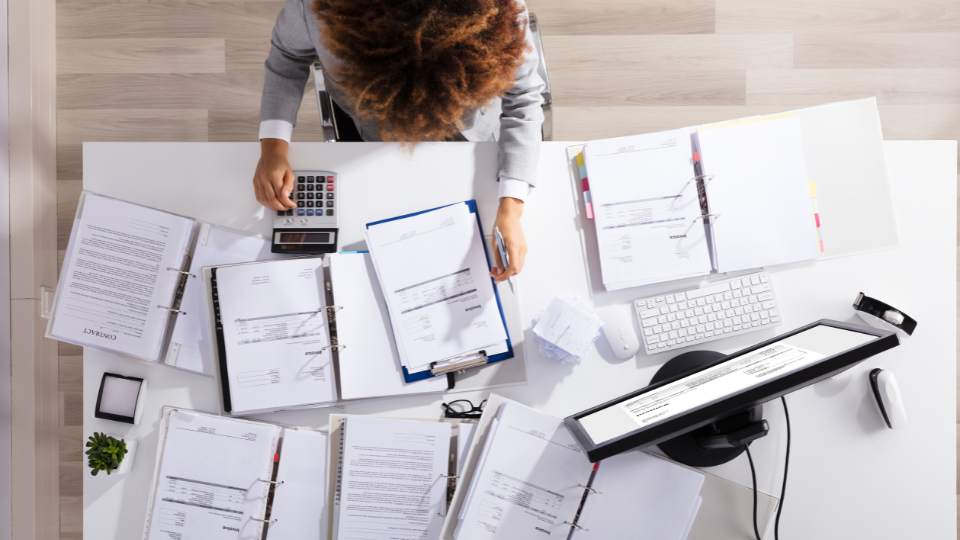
444 309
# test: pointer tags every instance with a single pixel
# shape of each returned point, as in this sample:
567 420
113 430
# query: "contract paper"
208 486
434 274
369 364
275 334
119 274
394 483
190 342
299 498
641 497
528 482
647 208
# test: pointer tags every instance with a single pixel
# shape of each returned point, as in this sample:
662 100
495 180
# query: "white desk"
850 477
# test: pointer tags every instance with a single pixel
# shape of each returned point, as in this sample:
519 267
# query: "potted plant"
107 453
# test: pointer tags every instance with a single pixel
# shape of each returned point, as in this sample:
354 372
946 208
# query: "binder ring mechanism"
705 216
177 270
274 482
172 310
448 477
264 520
334 308
588 488
577 526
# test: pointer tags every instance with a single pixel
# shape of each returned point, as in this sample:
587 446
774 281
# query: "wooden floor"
191 70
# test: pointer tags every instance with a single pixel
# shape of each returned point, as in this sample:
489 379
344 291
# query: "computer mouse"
618 329
887 393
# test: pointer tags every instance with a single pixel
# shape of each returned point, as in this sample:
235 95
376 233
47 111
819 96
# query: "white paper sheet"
275 332
116 274
568 325
528 483
465 434
300 498
369 363
646 206
392 485
190 342
433 271
760 189
208 479
641 497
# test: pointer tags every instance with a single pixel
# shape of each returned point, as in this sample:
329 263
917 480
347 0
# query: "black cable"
786 464
753 474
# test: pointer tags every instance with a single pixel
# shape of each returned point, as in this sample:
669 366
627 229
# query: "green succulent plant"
105 453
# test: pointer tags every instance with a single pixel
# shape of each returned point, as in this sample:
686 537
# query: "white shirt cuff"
276 129
511 187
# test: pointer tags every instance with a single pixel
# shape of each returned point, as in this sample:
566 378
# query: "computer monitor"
734 383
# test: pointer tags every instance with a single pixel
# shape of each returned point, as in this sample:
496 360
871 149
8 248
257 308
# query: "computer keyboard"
718 310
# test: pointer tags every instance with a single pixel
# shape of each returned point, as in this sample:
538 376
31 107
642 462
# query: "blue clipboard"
472 205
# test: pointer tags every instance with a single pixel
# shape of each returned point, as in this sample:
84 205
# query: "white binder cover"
190 348
119 284
369 363
300 496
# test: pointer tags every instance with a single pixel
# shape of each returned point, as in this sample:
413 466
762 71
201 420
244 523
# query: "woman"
410 71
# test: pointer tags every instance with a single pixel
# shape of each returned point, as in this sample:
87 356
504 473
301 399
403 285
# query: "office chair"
338 126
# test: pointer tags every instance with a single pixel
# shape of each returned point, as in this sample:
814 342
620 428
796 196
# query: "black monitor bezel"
642 438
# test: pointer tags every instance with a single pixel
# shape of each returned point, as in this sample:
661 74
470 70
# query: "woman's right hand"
273 180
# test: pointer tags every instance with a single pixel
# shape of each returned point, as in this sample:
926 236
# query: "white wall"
5 409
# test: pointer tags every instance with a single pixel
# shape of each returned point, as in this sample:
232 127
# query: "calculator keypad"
315 196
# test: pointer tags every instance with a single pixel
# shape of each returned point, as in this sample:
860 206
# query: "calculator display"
305 238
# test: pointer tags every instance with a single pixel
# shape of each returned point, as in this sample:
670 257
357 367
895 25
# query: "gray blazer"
296 41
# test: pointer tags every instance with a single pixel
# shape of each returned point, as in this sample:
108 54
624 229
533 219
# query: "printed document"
647 208
394 483
528 481
208 486
434 274
117 274
275 334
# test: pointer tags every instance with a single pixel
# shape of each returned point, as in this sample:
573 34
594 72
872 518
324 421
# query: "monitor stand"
685 448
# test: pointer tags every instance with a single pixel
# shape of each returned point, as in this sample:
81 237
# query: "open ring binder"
177 311
184 272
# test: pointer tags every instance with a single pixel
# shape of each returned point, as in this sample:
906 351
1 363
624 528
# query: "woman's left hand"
508 222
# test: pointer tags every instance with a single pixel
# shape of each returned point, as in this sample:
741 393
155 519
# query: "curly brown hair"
417 66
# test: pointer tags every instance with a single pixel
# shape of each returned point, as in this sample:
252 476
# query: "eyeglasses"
463 408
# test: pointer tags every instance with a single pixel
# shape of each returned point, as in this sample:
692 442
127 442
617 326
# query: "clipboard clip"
480 359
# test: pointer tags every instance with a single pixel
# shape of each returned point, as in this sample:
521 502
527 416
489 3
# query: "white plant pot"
127 464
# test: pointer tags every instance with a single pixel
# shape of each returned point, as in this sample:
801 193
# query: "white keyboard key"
768 304
754 316
681 306
725 305
718 298
729 313
660 299
682 332
680 296
702 319
735 284
671 317
738 311
773 313
760 288
737 293
653 339
673 335
701 302
717 308
664 310
727 323
764 315
764 278
670 296
721 315
737 328
755 280
753 299
745 281
689 313
765 296
698 311
737 320
727 295
651 304
684 323
774 319
708 334
673 308
657 329
708 290
647 313
649 322
675 325
712 317
710 326
701 329
648 331
662 319
671 342
709 299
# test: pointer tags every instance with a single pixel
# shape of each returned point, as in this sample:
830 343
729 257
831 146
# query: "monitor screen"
735 374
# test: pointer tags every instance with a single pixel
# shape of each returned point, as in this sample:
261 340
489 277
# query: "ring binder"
591 489
181 271
577 526
177 311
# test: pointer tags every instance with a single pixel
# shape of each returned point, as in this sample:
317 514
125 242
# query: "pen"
503 255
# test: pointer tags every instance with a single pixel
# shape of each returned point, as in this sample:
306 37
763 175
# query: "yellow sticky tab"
813 188
580 159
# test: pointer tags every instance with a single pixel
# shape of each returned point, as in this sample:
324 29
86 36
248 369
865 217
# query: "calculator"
311 227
